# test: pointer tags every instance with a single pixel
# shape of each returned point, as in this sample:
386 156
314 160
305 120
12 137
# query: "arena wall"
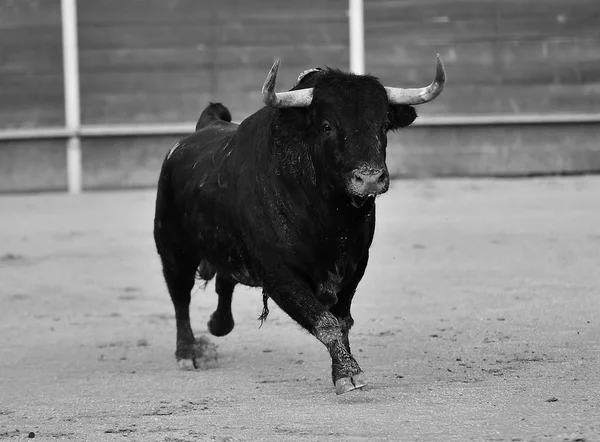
156 62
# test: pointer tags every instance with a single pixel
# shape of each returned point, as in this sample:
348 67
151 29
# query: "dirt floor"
477 319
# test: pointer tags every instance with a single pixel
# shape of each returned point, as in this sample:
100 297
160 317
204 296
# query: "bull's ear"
400 115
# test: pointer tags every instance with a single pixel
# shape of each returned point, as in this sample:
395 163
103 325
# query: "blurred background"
522 98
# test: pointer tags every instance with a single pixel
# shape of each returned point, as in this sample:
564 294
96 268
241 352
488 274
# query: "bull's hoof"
344 385
201 355
220 325
187 364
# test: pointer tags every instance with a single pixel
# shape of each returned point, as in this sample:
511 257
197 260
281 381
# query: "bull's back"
206 147
194 189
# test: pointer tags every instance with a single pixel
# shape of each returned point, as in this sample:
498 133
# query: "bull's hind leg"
179 271
180 263
221 321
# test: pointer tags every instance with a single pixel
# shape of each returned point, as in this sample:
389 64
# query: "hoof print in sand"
204 356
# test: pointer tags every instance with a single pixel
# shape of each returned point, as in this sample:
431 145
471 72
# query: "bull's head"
349 117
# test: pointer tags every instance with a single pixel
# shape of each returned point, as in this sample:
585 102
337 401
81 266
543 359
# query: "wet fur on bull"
265 204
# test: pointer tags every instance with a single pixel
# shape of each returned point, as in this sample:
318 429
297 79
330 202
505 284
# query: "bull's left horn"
419 95
299 98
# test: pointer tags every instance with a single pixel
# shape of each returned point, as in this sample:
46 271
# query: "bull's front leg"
346 373
301 304
341 309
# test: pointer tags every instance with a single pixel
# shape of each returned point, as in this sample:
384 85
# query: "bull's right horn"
299 98
421 95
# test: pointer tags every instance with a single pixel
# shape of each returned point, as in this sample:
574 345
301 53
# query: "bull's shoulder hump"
216 130
215 134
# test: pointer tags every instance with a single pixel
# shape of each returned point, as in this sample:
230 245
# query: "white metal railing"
124 130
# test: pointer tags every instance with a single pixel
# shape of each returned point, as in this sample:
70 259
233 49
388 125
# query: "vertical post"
357 36
71 85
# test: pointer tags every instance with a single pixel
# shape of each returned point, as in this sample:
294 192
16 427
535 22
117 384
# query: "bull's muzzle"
367 182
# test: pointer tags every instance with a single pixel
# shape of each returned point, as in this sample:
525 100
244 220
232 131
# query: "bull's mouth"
359 200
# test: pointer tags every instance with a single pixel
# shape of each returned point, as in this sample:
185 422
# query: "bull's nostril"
358 179
382 178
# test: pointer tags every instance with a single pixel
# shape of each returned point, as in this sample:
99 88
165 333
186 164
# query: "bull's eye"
326 127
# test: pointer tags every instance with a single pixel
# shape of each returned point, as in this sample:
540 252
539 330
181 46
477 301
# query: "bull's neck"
317 197
306 180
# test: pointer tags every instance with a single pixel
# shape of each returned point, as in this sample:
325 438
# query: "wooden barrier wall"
502 57
159 61
31 83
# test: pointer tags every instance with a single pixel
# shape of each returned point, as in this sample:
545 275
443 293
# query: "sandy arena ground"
478 319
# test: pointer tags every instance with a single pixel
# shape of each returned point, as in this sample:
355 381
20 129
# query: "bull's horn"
299 98
419 95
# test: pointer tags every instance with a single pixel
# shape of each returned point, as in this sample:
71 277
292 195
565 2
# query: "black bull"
284 201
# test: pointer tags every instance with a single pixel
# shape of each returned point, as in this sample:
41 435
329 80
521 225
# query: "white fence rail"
124 130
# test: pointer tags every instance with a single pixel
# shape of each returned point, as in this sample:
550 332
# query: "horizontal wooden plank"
518 12
31 100
27 116
123 162
523 65
31 84
501 57
298 57
168 94
511 99
139 108
18 14
529 43
31 51
32 165
525 62
192 11
29 109
158 35
174 104
494 151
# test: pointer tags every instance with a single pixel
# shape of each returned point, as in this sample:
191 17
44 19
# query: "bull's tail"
213 112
